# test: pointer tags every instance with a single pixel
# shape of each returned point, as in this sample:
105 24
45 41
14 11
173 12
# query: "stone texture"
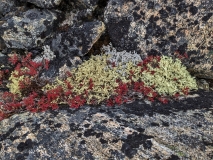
164 27
44 3
77 40
30 29
71 44
178 130
6 6
81 4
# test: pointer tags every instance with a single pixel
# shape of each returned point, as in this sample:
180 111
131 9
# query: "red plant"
43 104
109 102
13 59
185 90
176 95
68 74
138 86
113 64
179 56
24 83
118 100
53 94
12 106
91 84
122 89
9 97
30 100
46 64
76 102
163 100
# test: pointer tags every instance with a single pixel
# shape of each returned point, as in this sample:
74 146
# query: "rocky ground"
179 130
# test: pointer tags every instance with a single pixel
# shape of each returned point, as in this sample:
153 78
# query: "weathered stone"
30 29
2 44
70 44
6 6
77 40
179 130
44 3
164 27
81 4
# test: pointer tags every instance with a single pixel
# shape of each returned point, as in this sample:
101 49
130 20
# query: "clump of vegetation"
100 80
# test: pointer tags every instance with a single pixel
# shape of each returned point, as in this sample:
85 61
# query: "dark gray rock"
164 28
82 4
29 29
71 44
44 3
6 6
77 40
2 44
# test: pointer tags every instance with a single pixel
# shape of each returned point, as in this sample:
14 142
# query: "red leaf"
46 64
13 59
163 100
110 102
118 100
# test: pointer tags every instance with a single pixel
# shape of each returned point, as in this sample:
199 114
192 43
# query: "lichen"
95 69
14 83
168 78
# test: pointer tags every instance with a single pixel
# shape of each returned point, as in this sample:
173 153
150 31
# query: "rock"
79 12
44 3
6 6
81 4
178 130
164 28
2 44
71 44
30 29
77 40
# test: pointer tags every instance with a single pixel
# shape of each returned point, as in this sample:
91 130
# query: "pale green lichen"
14 83
169 78
103 78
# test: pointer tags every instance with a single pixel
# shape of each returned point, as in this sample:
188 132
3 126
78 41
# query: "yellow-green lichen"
14 83
95 69
169 78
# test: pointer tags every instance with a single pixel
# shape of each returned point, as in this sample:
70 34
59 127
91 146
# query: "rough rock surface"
178 130
30 29
44 3
163 27
71 43
6 6
82 4
77 40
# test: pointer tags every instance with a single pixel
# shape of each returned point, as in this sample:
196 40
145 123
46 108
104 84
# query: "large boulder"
164 28
29 29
